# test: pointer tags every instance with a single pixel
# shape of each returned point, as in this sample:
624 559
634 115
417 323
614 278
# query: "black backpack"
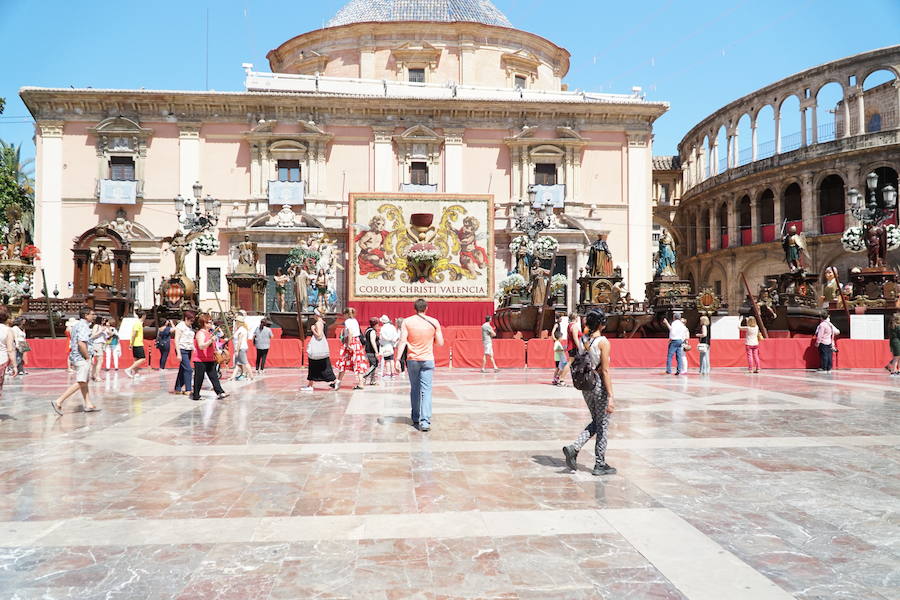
584 375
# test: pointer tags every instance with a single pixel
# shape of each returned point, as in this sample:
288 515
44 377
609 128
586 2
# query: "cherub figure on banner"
370 240
472 257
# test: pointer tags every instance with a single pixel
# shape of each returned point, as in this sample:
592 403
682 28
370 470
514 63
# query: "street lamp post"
195 219
872 212
872 216
532 222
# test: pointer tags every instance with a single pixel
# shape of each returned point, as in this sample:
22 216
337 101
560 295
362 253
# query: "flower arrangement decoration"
893 237
546 245
31 251
301 255
422 252
11 289
509 284
519 243
558 282
852 240
207 243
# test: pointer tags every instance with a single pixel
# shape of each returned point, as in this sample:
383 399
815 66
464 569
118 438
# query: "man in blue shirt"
80 358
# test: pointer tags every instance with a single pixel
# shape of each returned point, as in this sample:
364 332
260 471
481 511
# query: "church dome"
366 11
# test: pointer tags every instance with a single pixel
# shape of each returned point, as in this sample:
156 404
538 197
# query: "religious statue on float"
794 244
665 263
101 267
313 265
600 262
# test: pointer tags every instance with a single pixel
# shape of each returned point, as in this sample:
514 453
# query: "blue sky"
697 55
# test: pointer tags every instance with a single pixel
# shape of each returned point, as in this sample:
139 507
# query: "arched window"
831 204
792 206
723 225
767 216
745 221
704 228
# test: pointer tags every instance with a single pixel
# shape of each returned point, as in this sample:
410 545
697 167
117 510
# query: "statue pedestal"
668 292
247 291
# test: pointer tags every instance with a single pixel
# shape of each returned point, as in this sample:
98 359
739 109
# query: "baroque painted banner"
433 246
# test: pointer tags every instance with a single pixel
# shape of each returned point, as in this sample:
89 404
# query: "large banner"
434 246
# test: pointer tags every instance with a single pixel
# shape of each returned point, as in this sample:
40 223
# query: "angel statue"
666 262
793 243
179 245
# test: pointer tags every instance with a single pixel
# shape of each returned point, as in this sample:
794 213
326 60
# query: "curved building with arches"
787 154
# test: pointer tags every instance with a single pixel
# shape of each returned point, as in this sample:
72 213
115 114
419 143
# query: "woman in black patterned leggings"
598 399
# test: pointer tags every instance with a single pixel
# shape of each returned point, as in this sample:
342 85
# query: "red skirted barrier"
464 333
507 353
862 354
540 354
782 353
448 313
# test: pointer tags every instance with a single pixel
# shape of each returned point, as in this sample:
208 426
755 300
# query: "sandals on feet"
56 409
92 409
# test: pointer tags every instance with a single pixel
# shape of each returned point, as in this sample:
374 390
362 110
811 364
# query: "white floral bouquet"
852 240
509 284
11 289
546 245
207 243
893 237
519 243
558 282
423 253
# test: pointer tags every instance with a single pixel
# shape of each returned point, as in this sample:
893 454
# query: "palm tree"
23 172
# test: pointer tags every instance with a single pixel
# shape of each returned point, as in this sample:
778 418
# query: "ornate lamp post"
872 216
196 219
871 212
532 222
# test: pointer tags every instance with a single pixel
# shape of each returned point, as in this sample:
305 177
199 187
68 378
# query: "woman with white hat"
241 364
387 337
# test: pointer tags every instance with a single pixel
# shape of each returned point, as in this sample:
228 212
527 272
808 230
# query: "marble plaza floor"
733 487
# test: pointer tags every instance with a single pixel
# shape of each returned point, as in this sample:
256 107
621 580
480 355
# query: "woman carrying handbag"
205 359
318 355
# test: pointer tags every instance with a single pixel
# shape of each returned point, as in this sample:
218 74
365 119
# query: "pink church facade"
457 107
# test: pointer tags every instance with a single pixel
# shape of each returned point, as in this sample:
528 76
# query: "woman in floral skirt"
353 355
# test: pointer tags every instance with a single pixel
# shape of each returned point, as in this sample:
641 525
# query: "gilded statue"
101 268
600 258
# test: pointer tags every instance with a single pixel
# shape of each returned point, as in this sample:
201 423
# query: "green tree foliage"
16 184
2 105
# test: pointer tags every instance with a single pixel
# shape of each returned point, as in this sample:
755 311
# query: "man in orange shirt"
418 334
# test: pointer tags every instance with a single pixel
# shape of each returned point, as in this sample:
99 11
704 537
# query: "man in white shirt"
678 333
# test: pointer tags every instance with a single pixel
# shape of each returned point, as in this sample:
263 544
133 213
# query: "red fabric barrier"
862 354
464 333
746 237
540 354
768 233
507 353
448 313
782 353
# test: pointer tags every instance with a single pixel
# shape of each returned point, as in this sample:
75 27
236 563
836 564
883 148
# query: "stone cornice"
179 106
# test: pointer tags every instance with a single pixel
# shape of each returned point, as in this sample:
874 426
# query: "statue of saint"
830 290
301 287
322 291
875 237
15 236
101 268
524 260
600 258
246 256
793 243
539 280
666 263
